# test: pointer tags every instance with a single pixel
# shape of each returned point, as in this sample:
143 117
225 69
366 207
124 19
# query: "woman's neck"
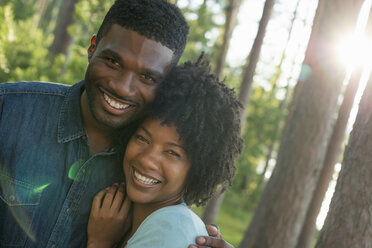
140 213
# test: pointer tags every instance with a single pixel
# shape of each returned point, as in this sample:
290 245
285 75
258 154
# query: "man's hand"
214 239
108 218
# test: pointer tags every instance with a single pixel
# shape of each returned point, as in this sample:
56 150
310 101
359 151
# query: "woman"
180 155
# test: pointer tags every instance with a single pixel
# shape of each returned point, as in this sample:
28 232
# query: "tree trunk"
333 150
254 56
230 23
40 6
46 17
283 205
349 222
212 208
279 67
332 154
62 39
283 104
278 128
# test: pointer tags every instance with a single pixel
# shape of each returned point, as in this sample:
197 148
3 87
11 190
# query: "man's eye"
142 139
112 61
148 78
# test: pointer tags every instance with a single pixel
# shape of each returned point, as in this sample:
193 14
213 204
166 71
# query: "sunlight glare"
355 49
327 199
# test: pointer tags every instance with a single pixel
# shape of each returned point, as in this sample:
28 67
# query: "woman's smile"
144 179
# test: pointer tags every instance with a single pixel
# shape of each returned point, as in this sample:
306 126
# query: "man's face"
125 70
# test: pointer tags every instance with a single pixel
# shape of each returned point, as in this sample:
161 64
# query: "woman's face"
155 165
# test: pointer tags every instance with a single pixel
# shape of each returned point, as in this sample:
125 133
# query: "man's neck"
100 137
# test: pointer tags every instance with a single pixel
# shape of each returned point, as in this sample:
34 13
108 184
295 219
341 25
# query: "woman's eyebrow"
176 145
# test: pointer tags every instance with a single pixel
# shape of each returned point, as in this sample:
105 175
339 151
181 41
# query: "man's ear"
92 47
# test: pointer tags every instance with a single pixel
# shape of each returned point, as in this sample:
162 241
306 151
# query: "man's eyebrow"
146 131
154 73
113 54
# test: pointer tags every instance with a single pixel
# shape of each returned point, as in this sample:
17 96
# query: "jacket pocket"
18 203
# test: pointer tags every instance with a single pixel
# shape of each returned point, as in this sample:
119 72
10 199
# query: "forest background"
269 51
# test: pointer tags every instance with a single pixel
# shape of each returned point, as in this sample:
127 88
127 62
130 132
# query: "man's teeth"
113 103
144 179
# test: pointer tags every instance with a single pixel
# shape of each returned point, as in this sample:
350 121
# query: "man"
58 144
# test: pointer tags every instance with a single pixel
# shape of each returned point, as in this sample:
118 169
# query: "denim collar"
70 124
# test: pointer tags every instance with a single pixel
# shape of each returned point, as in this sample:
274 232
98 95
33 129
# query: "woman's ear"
92 47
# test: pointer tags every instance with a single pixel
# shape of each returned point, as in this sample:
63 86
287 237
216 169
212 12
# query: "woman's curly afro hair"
206 115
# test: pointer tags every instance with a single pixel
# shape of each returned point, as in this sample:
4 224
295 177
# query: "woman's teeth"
144 179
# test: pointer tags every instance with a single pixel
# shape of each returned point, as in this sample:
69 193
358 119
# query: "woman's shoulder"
177 214
172 226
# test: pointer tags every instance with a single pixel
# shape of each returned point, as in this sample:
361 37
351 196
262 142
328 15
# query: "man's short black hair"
206 115
157 20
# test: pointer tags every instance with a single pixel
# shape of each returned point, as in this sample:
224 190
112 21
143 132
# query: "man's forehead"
123 34
129 44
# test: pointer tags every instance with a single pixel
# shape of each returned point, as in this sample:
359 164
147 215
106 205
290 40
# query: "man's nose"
125 84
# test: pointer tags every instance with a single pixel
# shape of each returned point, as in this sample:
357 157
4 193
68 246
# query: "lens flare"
39 189
74 170
20 200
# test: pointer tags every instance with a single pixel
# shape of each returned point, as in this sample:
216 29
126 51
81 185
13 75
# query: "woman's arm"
109 217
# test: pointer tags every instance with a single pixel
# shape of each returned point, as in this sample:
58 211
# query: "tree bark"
283 104
332 154
62 39
212 208
282 208
254 56
230 23
349 222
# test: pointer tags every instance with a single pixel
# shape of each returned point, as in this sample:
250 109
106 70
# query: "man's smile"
114 103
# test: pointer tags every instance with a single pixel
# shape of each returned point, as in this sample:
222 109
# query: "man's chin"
111 123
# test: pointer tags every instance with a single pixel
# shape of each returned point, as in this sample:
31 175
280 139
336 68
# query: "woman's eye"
173 153
142 139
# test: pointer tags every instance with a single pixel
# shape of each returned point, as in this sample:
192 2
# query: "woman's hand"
109 217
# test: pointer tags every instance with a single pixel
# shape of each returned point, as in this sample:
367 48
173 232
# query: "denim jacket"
47 178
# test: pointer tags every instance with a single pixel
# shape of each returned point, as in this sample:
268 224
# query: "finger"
97 200
213 231
118 200
124 210
212 242
200 246
109 197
